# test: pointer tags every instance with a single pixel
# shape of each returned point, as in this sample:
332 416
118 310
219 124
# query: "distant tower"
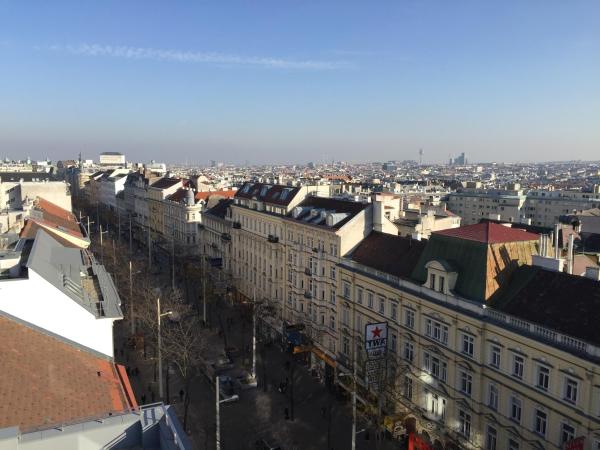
420 156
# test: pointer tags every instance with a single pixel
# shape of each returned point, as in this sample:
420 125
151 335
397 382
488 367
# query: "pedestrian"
181 394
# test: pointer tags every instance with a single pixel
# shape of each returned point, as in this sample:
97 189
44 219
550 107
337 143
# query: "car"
263 444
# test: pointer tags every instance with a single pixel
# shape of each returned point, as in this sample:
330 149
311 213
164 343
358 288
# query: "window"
513 445
567 433
464 423
515 409
543 378
493 397
409 351
436 330
332 322
333 270
466 383
370 300
495 356
518 364
409 318
381 305
540 421
332 299
394 311
432 281
346 291
346 316
393 342
345 345
571 388
467 345
359 296
490 438
435 366
435 405
442 279
408 387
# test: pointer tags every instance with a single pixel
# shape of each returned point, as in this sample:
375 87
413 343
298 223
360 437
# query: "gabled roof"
567 303
62 224
275 194
46 381
388 253
488 233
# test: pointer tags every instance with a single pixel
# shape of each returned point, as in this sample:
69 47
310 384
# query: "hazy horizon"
292 82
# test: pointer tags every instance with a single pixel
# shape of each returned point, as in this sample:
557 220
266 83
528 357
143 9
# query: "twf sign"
575 444
416 443
376 340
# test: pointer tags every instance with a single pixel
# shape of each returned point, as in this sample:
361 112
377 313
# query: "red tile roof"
205 195
51 218
489 233
46 381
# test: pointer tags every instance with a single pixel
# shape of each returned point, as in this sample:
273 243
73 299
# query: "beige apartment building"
286 245
484 350
537 207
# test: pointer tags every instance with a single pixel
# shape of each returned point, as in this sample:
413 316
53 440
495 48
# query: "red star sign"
376 332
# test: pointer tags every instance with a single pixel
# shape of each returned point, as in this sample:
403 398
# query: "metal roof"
76 273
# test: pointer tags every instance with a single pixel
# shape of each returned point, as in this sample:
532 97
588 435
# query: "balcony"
237 225
226 236
272 239
307 294
307 271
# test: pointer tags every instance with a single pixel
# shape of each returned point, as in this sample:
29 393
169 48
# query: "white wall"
36 301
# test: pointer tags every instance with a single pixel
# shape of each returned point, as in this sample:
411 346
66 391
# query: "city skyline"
291 83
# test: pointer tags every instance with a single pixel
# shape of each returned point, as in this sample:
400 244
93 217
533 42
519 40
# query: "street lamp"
160 374
353 375
101 244
131 316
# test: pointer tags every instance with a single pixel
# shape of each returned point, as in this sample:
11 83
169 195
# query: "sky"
292 81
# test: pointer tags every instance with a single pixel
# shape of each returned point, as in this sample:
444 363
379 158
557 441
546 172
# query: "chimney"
593 273
556 229
570 255
378 214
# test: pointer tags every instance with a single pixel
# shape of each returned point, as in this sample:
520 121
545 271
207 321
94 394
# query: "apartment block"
484 350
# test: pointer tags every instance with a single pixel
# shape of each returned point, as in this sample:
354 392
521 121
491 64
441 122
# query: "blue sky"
296 81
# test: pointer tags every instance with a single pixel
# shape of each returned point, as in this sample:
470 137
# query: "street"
259 414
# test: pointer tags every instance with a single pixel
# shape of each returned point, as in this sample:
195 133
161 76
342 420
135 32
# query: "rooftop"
220 209
49 382
276 194
325 211
76 273
547 298
58 221
165 183
489 233
390 254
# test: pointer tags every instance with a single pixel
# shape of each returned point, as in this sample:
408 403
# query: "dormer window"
441 276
